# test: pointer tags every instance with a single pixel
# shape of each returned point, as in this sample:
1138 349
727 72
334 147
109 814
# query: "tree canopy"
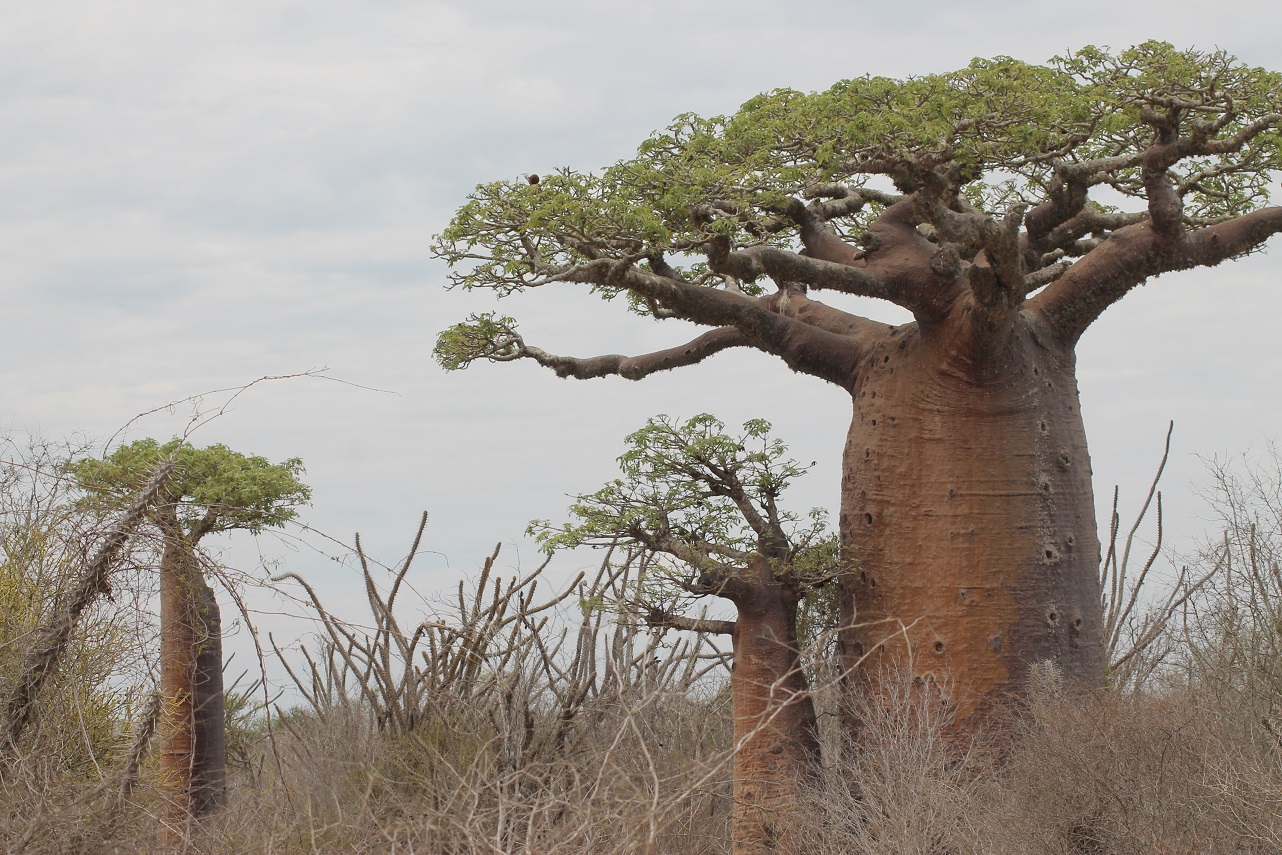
1013 177
214 488
690 491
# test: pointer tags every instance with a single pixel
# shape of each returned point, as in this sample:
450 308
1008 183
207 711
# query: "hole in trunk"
868 518
939 648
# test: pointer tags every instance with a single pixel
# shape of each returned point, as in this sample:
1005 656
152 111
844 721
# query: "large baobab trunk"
192 755
776 741
968 511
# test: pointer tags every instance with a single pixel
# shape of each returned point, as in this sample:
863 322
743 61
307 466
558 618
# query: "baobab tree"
703 506
211 490
1006 206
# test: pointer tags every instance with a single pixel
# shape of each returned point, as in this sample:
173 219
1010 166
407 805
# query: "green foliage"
482 336
217 489
704 496
1000 132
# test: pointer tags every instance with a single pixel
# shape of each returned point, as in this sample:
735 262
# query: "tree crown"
1001 176
213 489
707 498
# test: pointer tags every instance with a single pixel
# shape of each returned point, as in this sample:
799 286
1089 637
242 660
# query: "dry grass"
499 725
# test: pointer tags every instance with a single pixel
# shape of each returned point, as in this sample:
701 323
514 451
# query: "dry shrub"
901 787
1145 773
491 727
1074 772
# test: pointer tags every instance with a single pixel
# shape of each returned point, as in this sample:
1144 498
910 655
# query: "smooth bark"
968 515
192 753
776 742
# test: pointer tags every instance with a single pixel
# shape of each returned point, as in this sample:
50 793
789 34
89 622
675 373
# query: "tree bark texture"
776 740
192 749
967 512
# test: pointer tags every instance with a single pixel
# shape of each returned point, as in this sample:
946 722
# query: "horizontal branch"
665 620
1132 255
638 367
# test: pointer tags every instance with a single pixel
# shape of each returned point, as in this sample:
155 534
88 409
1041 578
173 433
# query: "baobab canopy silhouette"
1006 206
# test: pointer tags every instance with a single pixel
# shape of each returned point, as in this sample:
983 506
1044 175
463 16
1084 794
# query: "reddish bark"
968 512
192 754
776 742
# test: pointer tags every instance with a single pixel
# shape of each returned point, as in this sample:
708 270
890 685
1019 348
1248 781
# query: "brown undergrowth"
511 722
1158 773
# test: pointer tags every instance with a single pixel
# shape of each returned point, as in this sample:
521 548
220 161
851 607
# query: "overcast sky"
197 194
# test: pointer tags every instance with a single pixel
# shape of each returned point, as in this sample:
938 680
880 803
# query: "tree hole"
868 518
939 648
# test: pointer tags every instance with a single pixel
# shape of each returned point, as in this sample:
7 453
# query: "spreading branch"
1005 176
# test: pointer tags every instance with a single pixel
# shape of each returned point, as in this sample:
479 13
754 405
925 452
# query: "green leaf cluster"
678 478
481 336
214 488
999 131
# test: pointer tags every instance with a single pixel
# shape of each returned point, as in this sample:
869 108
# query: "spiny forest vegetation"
961 667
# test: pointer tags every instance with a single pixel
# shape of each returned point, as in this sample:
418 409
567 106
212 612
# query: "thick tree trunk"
191 754
774 723
968 513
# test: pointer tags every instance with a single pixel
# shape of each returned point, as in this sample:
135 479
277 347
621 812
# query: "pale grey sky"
195 195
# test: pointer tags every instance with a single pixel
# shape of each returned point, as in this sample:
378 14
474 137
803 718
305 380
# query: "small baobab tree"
704 506
211 490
